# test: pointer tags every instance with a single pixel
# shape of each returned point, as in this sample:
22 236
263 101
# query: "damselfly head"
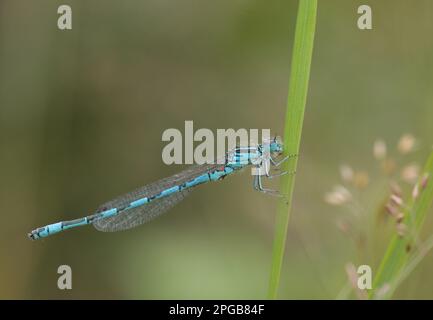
276 145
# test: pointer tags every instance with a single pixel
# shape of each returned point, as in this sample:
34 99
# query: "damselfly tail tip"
32 235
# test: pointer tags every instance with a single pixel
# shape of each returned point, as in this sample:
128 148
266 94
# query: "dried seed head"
406 143
333 199
395 188
352 274
346 173
415 191
424 181
338 196
361 179
392 210
399 217
410 173
379 149
401 229
388 166
396 200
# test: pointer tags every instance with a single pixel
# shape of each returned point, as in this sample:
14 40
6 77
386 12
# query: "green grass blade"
297 96
398 253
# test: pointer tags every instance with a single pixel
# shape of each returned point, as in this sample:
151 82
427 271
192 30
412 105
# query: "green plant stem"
400 249
413 263
297 96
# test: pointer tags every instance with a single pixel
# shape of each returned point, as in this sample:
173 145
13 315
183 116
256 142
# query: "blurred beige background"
81 118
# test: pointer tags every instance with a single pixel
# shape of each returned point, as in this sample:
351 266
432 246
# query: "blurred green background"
81 118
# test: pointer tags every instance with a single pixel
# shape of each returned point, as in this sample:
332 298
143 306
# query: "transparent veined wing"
136 216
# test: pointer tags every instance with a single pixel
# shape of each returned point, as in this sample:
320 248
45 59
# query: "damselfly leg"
257 183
